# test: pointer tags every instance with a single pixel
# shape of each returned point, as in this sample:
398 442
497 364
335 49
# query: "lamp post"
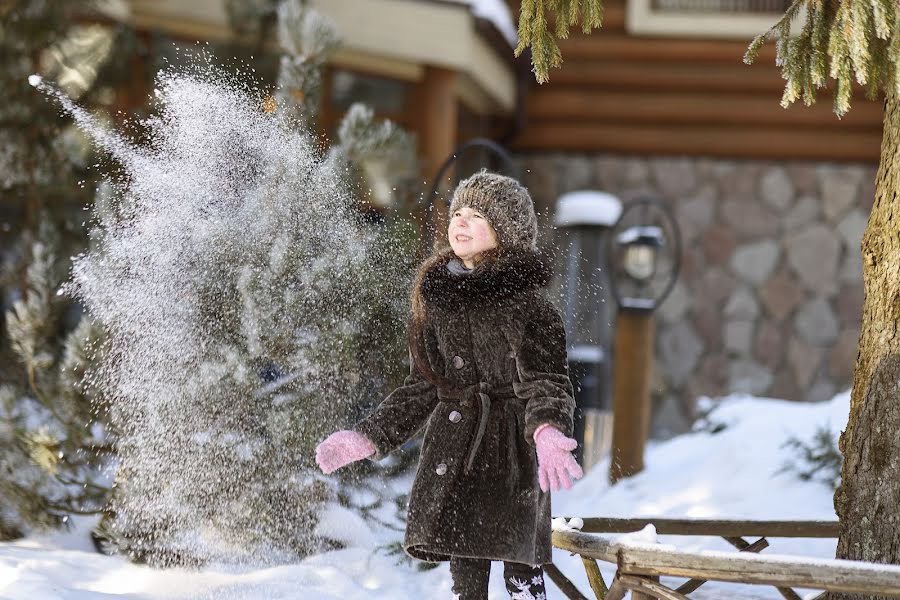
646 258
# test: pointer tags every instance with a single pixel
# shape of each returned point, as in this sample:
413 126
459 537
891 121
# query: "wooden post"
438 131
633 360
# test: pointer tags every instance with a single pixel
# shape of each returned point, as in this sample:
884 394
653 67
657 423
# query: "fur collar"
502 276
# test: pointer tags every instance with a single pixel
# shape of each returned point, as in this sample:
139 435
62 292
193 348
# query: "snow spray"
230 273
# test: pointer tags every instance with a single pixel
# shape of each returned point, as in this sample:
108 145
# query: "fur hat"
505 202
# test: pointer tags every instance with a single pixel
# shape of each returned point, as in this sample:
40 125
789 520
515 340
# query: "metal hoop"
497 149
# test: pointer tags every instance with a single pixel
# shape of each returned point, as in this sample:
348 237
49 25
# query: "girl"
489 376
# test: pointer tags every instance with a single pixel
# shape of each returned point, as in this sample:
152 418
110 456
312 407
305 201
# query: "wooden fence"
640 566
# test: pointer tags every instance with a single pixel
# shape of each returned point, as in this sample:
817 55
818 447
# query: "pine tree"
245 333
52 437
842 43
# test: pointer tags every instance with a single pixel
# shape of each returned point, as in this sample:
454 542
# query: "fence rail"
640 566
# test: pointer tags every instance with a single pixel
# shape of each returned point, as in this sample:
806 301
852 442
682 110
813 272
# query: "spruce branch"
533 29
850 40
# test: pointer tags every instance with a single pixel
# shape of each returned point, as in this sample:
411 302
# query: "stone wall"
769 300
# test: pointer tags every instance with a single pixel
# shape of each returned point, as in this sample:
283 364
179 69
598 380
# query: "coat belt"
480 395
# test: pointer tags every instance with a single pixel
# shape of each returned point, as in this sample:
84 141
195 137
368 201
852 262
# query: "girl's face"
470 234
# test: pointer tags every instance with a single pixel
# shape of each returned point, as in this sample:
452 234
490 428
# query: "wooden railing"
640 566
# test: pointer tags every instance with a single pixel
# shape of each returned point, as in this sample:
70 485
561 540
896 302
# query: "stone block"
749 218
679 349
708 325
842 356
849 304
712 376
714 286
769 344
721 168
636 171
777 189
718 244
675 177
608 172
804 361
739 183
755 262
670 418
839 190
866 195
816 322
785 387
742 305
851 228
693 263
695 214
577 173
805 211
749 377
739 337
781 294
814 254
803 176
821 391
851 268
676 304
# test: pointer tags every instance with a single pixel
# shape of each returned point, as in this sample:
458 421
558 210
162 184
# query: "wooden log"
653 589
651 77
595 578
778 570
743 546
564 584
714 527
757 546
781 571
631 391
615 46
737 141
642 592
694 107
616 591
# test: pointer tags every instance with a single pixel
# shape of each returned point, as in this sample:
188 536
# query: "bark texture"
868 499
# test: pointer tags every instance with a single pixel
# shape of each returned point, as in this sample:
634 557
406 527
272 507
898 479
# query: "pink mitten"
555 460
342 448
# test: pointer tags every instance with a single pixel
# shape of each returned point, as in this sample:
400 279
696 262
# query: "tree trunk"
868 499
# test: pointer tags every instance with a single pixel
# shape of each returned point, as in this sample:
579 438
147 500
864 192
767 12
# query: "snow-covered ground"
729 474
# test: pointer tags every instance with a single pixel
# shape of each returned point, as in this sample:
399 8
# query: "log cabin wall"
772 204
618 92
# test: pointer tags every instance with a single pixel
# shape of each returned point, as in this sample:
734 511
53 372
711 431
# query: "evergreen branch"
849 40
533 29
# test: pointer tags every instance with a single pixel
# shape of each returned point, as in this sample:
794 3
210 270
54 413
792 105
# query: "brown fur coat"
496 352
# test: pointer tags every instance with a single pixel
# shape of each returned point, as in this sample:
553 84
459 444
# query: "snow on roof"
587 207
497 13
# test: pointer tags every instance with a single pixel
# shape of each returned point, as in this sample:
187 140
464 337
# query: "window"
737 19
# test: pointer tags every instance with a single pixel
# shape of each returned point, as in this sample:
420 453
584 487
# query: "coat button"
441 469
458 362
455 416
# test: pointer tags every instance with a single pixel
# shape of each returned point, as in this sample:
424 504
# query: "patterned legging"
471 575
